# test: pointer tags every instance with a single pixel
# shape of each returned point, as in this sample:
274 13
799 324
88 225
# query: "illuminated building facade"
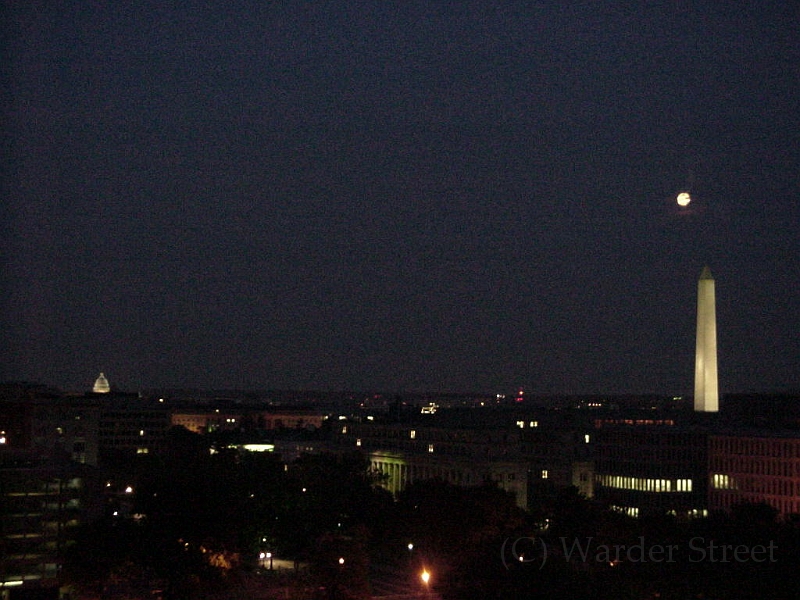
755 467
222 419
530 457
207 421
408 453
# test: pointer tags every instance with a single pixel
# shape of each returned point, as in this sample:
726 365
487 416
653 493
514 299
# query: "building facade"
755 467
652 469
44 497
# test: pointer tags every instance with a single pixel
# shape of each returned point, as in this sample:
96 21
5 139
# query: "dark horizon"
399 196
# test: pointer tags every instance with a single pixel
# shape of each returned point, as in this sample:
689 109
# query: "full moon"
683 199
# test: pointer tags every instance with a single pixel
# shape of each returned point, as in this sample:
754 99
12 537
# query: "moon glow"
683 199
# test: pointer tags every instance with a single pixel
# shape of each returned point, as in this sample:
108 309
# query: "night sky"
399 196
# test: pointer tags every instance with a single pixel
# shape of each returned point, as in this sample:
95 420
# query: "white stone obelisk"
706 387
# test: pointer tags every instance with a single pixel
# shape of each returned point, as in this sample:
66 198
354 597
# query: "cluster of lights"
631 511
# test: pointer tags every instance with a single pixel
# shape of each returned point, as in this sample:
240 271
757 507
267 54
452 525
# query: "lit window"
521 424
586 438
534 423
545 474
141 432
430 447
413 434
358 442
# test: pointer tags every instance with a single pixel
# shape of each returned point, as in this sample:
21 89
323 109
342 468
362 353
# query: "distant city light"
256 447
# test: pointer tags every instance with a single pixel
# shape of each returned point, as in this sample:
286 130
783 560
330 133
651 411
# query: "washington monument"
706 389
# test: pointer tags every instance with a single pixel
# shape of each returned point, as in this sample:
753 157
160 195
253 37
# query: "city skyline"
459 197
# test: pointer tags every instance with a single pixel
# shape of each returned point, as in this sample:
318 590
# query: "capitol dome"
101 385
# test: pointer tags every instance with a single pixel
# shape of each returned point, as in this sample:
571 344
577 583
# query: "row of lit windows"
642 484
598 423
721 481
759 485
633 511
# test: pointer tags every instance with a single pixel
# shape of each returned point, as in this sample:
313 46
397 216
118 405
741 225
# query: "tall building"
44 498
706 389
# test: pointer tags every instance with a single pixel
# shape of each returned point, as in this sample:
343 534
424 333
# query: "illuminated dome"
101 385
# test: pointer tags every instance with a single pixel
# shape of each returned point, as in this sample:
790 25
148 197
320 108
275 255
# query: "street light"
425 576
